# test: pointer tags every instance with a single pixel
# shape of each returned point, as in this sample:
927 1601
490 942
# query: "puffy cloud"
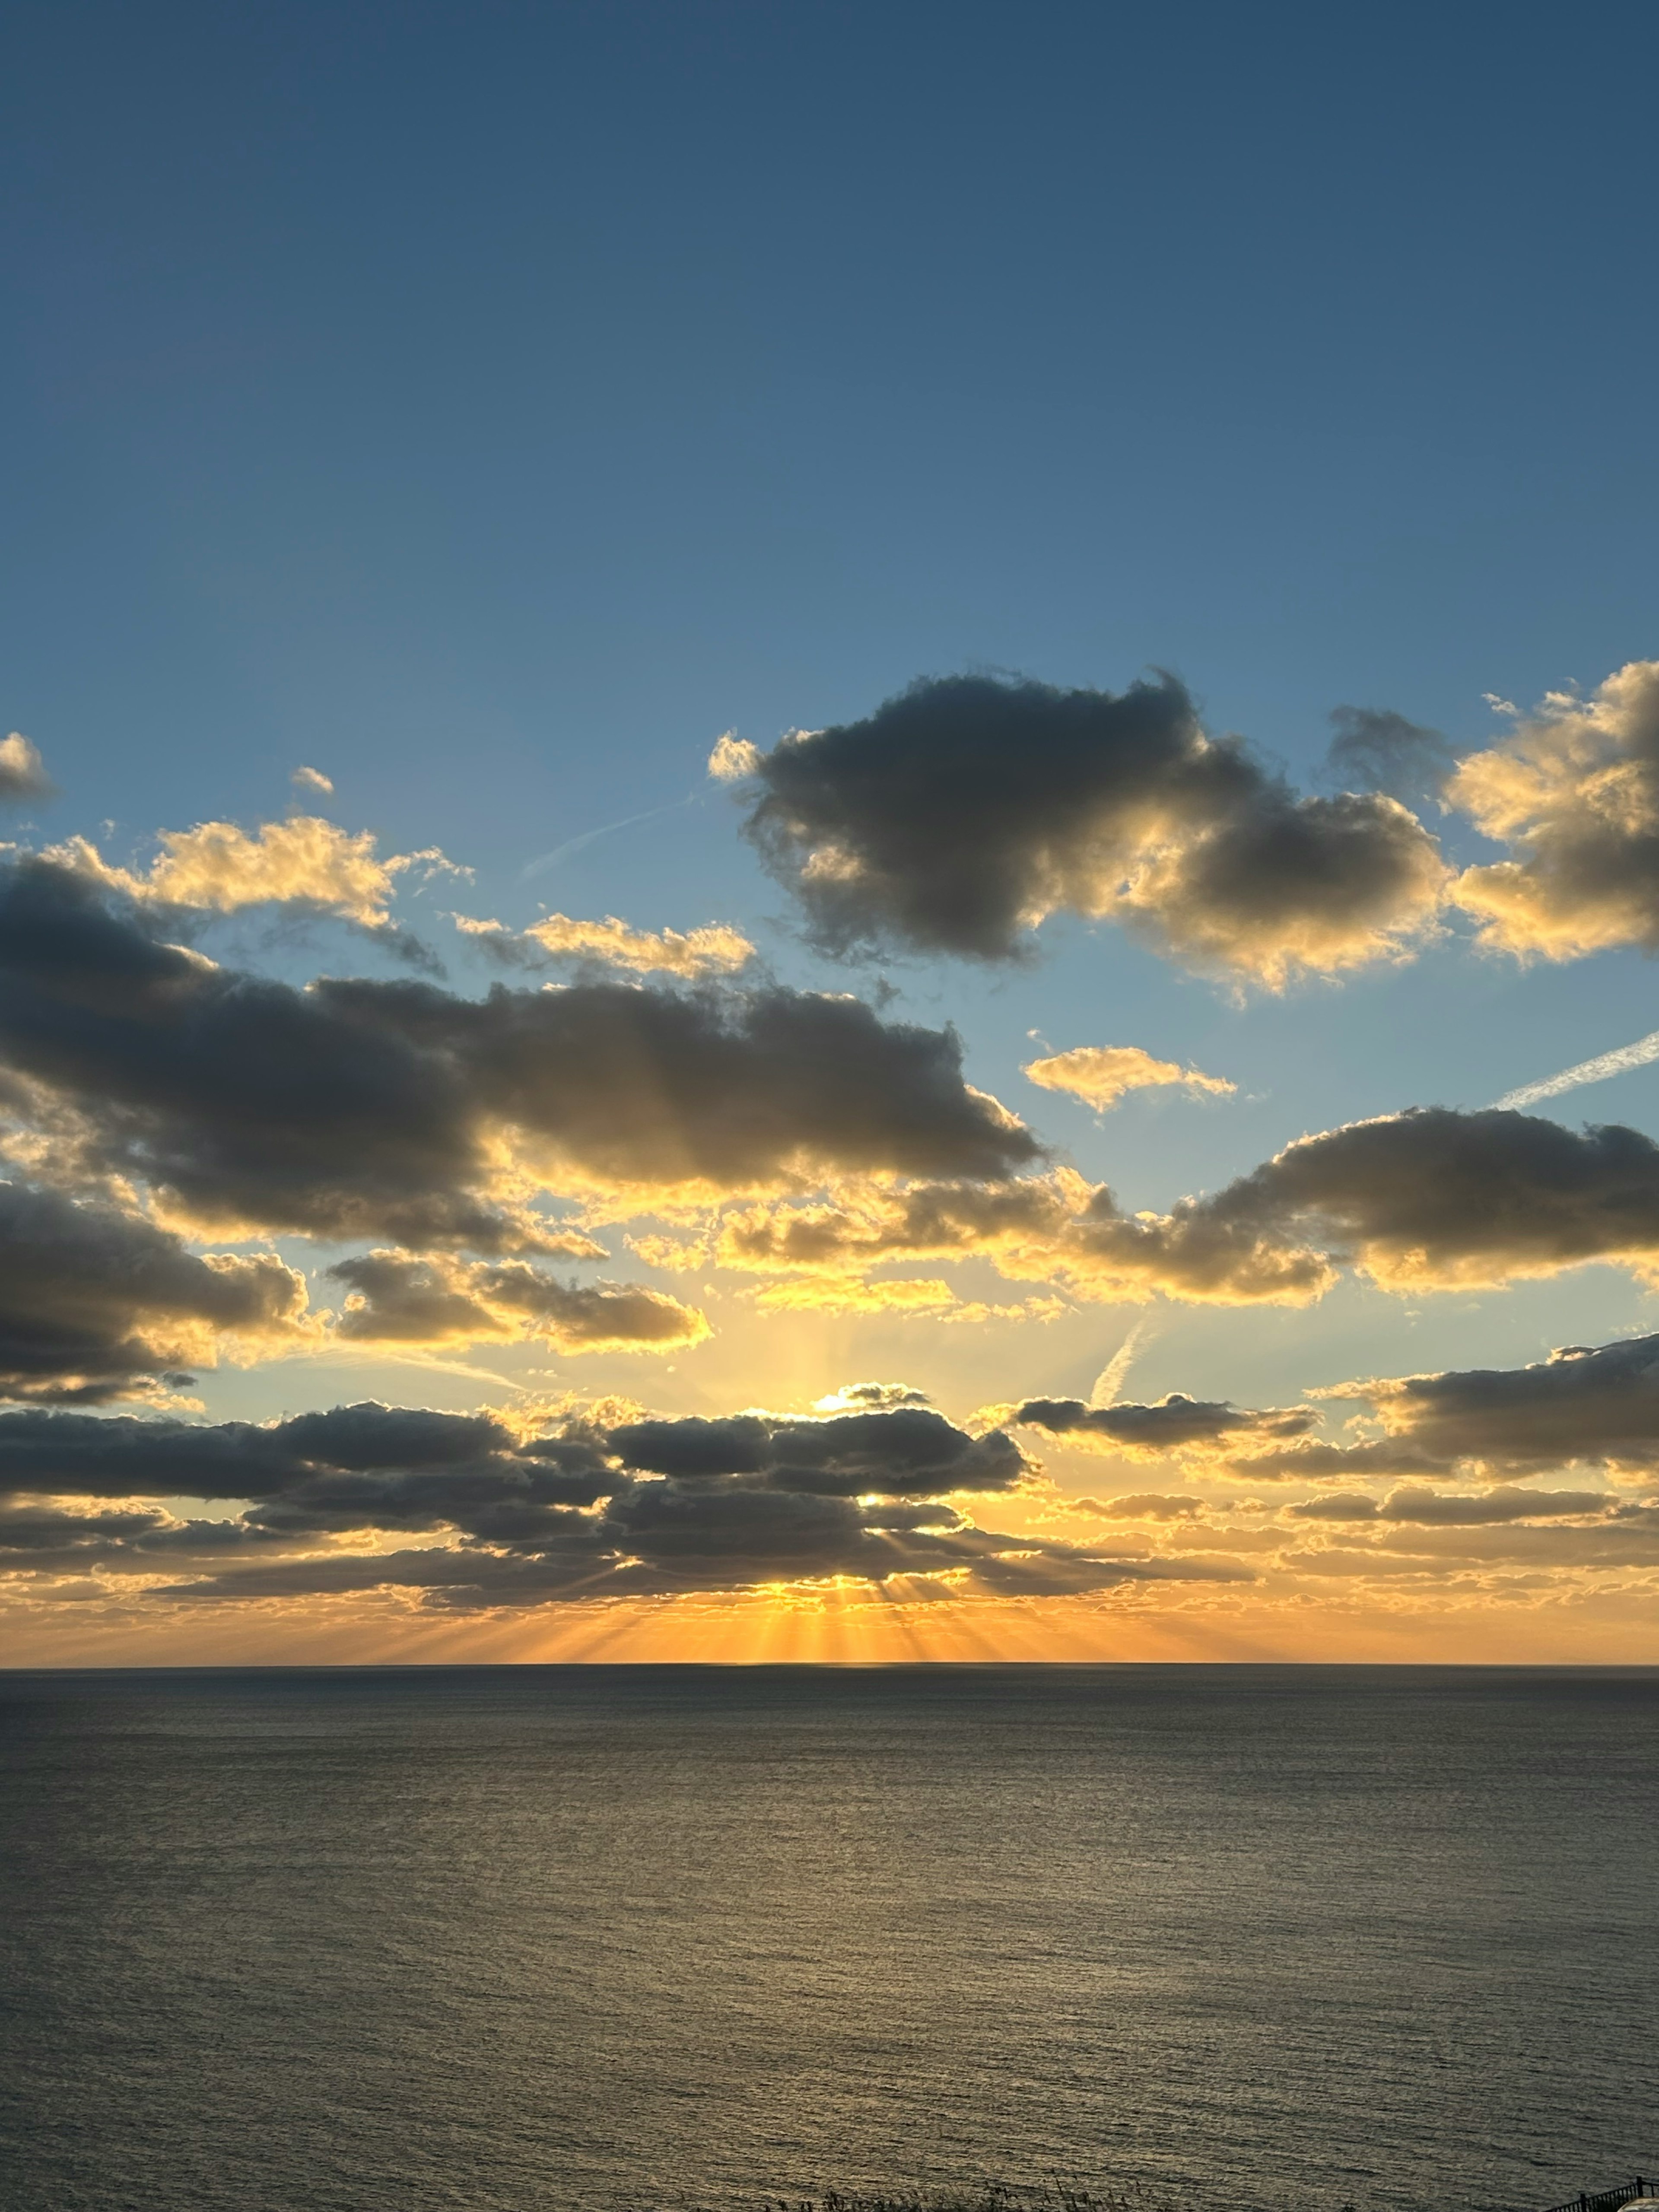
97 1303
1597 1405
1575 791
22 772
1100 1074
218 868
733 757
1174 1424
407 1298
1581 1403
360 1109
963 812
1373 750
1437 1199
716 949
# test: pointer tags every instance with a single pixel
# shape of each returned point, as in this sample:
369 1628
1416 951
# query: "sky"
833 834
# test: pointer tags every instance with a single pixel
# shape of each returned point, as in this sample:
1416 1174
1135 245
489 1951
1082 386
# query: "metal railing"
1607 2200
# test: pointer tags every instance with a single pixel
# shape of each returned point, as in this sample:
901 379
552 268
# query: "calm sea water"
288 1941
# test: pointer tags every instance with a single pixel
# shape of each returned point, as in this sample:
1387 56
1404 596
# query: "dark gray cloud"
904 1451
379 1108
382 1464
1171 1424
1374 750
1436 1198
576 1512
96 1303
1581 1403
962 812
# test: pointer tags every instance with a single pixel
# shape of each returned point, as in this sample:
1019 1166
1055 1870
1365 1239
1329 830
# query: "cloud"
902 1450
643 1508
405 1297
1617 1062
733 757
218 868
1100 1074
963 811
715 950
870 1398
1174 1424
314 780
1595 1403
1374 750
1435 1198
97 1304
1053 1228
396 1109
1432 1199
545 862
1439 1508
1575 791
1140 1505
358 1467
22 772
666 1542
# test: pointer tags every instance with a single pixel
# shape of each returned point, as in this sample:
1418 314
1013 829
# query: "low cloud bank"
589 1509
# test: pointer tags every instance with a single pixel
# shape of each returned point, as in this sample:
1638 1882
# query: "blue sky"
490 406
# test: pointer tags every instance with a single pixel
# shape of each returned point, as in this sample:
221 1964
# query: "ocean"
495 1939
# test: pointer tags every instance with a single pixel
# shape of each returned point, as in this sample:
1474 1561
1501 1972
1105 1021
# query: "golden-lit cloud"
1100 1074
1056 1228
927 1296
1575 790
714 949
218 868
732 758
98 1303
22 772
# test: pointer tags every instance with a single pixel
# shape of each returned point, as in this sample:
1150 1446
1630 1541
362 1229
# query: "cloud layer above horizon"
211 1165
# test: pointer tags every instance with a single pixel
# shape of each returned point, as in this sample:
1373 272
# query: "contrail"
546 861
1587 1071
1110 1379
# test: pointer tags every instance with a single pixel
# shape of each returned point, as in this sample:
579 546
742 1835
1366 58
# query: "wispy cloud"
1587 1071
546 861
1108 1383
